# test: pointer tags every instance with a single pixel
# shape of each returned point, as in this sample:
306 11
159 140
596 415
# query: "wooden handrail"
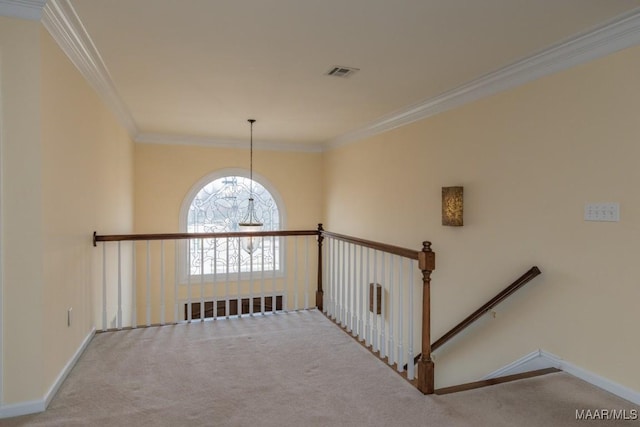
184 236
395 250
520 282
505 293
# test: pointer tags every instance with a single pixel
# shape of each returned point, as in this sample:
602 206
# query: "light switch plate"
609 212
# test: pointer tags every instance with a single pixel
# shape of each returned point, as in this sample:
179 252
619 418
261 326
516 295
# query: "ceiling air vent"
342 71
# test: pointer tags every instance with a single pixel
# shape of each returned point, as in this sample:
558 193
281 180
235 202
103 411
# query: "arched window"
216 204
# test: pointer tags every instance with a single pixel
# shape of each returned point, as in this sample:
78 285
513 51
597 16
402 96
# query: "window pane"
218 207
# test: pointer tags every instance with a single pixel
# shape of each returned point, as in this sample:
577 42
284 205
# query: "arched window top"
218 202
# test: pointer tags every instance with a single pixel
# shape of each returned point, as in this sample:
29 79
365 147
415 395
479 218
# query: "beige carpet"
280 370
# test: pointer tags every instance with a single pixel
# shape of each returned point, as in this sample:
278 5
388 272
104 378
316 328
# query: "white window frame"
183 246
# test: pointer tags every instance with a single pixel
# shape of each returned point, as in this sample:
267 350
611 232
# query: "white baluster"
332 266
104 286
274 299
332 273
201 279
368 313
251 279
343 285
347 286
307 282
391 356
285 285
339 287
262 276
363 291
134 287
162 297
214 278
119 313
401 286
227 294
383 338
410 364
295 273
239 296
188 263
375 338
176 302
326 277
148 297
354 294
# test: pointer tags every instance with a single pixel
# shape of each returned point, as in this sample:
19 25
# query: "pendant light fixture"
250 222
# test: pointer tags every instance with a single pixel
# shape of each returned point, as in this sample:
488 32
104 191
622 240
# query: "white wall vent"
339 71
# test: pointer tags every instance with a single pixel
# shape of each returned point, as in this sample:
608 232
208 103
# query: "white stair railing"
368 288
152 280
373 292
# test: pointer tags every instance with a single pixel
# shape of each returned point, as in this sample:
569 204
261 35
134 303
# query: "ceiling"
196 70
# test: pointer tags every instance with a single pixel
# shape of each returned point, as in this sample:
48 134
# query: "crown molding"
64 25
23 9
157 138
620 33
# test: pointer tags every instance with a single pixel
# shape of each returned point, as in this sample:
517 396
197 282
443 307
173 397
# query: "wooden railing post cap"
426 257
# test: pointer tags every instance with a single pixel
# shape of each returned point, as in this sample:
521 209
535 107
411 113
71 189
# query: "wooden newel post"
319 292
426 263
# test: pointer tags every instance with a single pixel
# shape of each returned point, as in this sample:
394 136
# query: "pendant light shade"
250 223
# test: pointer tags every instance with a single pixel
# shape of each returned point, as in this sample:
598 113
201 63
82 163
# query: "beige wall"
87 185
22 239
529 160
66 171
164 174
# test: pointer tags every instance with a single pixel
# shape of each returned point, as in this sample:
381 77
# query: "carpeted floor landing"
281 370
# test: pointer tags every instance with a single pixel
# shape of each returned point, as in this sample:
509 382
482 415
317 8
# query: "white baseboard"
22 408
540 359
68 367
34 406
605 384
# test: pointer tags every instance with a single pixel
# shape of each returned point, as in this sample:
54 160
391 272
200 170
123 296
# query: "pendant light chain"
251 121
250 220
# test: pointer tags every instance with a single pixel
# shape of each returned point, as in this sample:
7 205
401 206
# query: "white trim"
22 408
34 406
537 359
540 359
68 367
620 33
156 138
23 9
604 383
64 25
